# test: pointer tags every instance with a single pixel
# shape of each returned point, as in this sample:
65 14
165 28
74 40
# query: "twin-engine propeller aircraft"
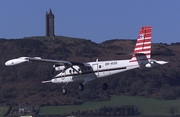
88 71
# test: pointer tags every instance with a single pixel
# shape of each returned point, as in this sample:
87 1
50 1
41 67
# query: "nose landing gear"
64 90
81 86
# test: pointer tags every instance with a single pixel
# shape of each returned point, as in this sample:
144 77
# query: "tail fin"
142 50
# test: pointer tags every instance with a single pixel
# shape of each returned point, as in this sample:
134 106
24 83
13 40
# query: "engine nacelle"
58 67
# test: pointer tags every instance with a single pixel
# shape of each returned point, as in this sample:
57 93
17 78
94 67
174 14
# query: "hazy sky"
97 20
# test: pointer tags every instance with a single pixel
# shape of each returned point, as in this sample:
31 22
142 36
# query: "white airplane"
88 71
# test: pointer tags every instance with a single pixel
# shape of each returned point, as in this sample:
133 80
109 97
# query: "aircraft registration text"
111 63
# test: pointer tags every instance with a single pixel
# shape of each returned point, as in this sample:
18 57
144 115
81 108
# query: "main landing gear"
104 86
64 90
81 87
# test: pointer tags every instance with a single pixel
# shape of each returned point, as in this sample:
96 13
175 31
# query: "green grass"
147 106
3 110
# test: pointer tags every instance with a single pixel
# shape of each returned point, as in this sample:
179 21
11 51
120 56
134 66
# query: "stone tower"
50 24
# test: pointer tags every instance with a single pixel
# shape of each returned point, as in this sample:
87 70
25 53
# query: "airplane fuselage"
94 70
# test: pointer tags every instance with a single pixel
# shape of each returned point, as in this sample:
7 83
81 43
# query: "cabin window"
70 71
99 66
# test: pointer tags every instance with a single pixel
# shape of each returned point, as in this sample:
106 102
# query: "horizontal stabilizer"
155 64
161 62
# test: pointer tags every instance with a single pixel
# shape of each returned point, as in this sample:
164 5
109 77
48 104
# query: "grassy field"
146 106
3 110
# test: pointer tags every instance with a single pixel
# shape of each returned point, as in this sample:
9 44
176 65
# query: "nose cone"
9 63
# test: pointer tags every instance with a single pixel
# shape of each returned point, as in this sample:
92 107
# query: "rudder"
142 50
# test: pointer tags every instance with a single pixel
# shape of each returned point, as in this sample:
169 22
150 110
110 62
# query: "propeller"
53 70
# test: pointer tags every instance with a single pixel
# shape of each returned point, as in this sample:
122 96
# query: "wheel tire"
81 86
64 90
104 86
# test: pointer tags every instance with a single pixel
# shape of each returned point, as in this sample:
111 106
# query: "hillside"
21 84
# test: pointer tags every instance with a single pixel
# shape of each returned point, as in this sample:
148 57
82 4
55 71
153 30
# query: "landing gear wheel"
104 86
81 86
64 90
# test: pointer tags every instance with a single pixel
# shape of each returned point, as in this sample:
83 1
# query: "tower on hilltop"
50 24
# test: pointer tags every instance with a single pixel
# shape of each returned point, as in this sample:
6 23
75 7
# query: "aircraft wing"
38 59
61 62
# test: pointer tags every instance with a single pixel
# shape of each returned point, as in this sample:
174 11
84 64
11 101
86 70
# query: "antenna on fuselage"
97 60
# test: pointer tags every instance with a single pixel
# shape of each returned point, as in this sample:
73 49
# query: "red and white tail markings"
143 45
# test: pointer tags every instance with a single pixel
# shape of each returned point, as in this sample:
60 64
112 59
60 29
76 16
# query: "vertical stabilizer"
142 50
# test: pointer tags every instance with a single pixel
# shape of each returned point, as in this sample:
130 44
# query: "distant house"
26 109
